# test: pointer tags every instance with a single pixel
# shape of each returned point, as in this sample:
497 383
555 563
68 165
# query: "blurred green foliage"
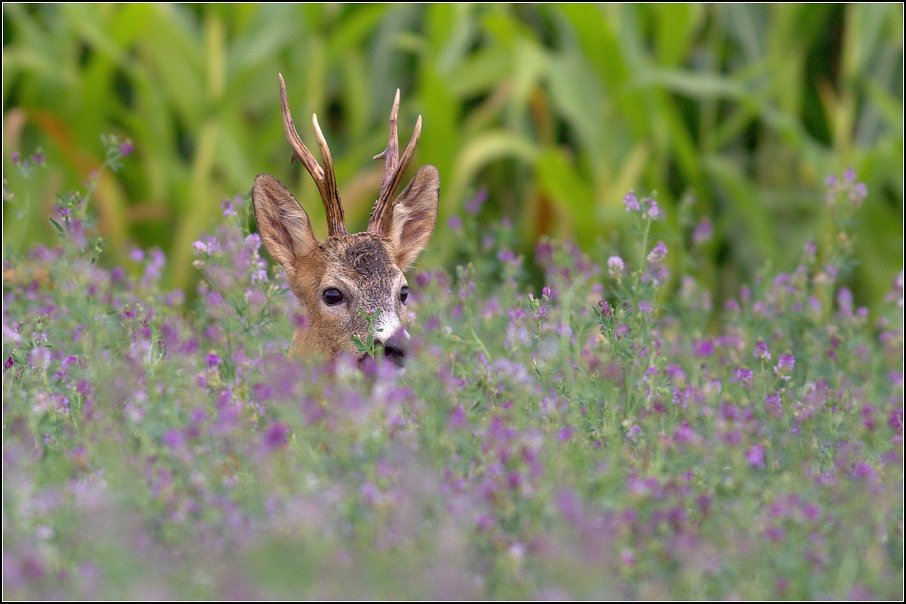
556 110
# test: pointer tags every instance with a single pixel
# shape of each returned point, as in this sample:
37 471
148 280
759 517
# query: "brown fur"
366 268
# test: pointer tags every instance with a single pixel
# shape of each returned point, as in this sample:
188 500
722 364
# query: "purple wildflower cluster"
847 189
648 207
27 165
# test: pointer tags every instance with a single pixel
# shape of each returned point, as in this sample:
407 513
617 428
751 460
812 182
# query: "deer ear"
283 224
414 215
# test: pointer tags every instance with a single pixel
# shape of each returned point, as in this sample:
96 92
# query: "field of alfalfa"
597 439
657 335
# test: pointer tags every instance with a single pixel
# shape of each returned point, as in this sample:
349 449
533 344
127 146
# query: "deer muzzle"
395 346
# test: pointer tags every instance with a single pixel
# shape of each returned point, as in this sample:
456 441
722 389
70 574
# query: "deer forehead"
362 261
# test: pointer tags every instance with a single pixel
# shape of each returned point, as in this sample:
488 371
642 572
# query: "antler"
325 179
394 168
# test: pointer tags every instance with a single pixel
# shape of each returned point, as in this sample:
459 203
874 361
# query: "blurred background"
735 113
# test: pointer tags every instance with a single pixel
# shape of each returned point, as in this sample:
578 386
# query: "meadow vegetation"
593 440
657 338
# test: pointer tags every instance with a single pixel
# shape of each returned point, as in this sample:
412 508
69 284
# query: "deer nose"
395 346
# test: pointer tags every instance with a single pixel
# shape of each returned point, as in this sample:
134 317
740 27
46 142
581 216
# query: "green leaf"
173 47
480 72
571 193
273 28
485 148
577 94
352 30
57 225
676 27
694 84
747 210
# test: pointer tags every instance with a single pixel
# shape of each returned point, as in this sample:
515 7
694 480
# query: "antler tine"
325 179
394 169
299 149
336 221
391 153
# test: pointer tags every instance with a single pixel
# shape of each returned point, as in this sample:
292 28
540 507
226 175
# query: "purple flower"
863 470
675 372
506 255
896 378
784 364
845 301
126 148
684 434
849 175
473 206
704 231
198 415
657 254
604 308
761 351
570 505
869 412
858 193
813 306
228 209
485 522
774 404
615 267
369 492
810 249
742 375
627 558
212 360
153 271
702 348
458 417
652 210
172 438
565 434
811 511
895 421
423 279
276 436
299 320
632 204
633 433
541 313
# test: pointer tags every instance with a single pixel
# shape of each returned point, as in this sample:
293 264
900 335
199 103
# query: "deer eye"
332 296
404 293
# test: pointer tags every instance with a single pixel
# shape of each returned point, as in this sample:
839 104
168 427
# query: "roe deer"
341 278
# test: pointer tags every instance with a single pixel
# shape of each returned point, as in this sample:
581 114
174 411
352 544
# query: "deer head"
347 275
